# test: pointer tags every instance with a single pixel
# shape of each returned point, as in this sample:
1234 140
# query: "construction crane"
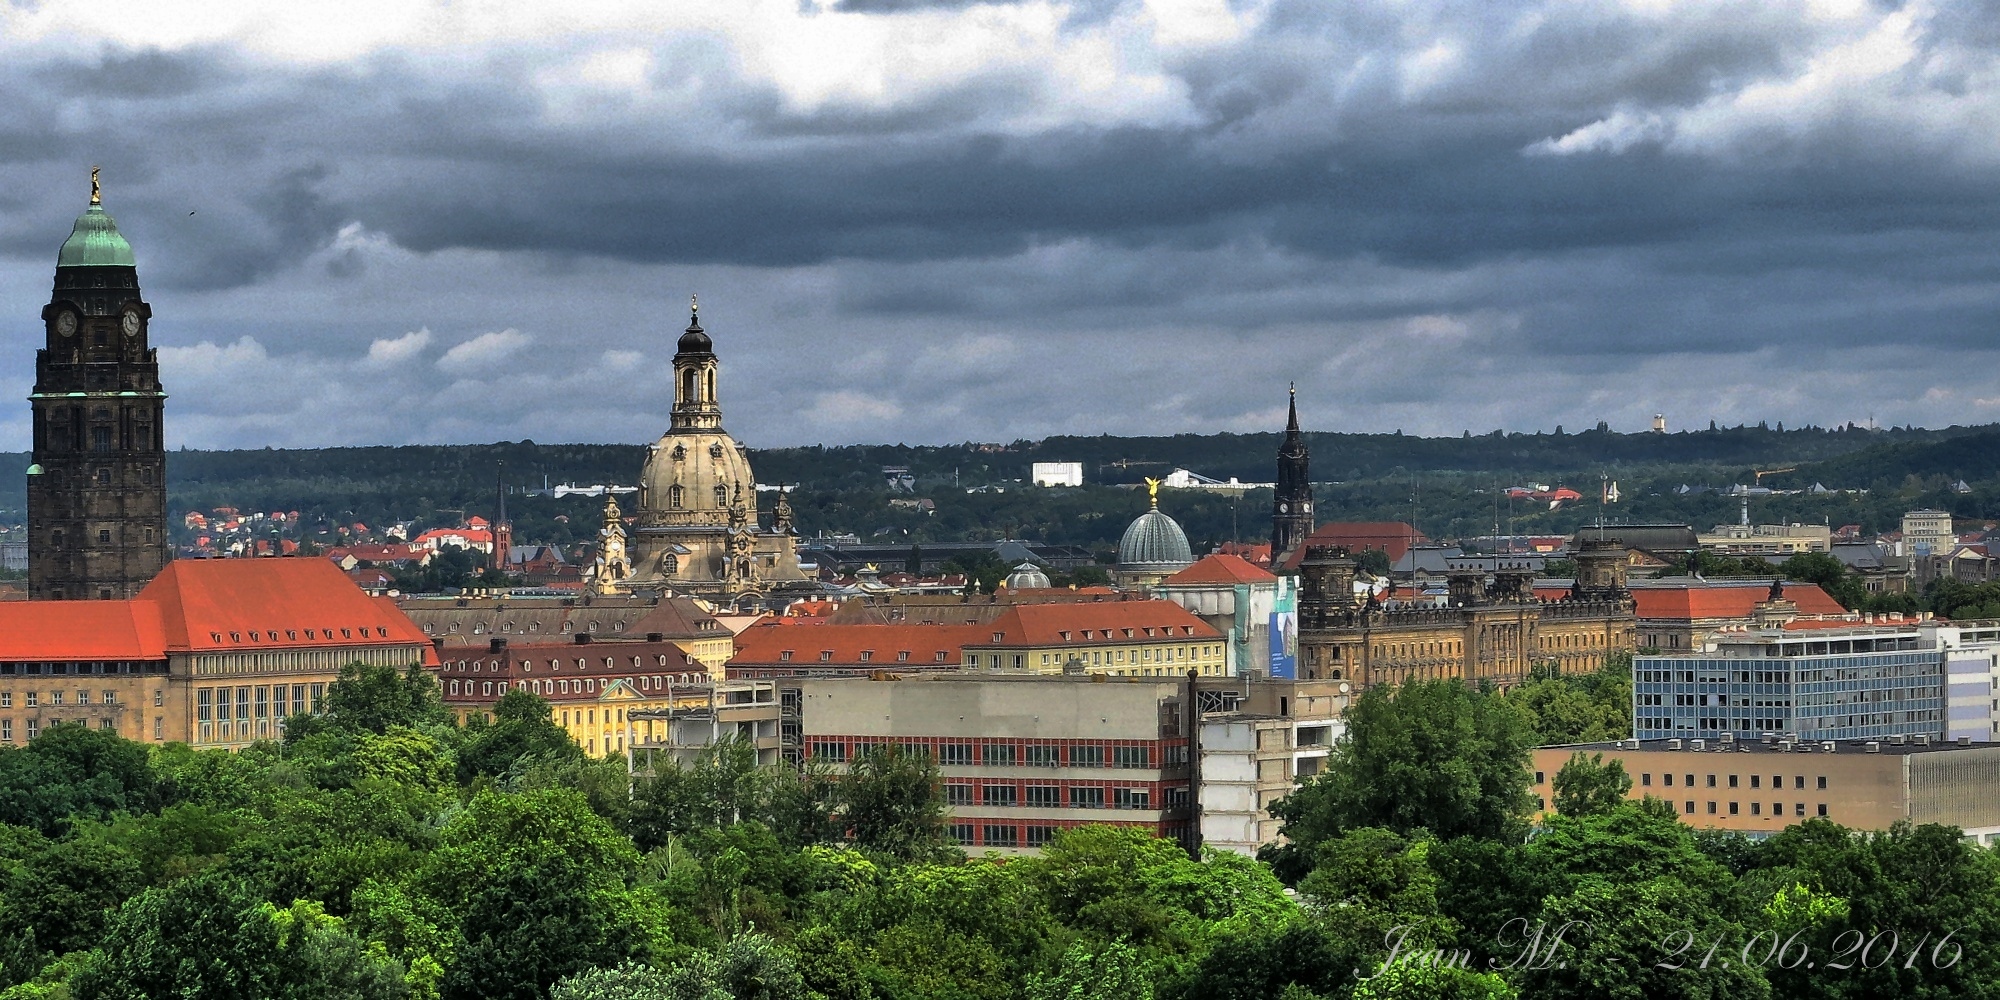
1126 463
1761 473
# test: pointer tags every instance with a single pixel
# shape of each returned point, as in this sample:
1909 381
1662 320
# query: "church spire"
1291 504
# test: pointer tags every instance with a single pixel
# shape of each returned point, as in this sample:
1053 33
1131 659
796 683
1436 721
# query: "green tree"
540 886
895 804
1830 574
1587 786
65 892
523 726
73 772
1430 755
1086 973
209 936
371 699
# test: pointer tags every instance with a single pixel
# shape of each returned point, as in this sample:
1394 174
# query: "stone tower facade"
97 488
1292 503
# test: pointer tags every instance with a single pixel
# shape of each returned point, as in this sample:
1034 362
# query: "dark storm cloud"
1578 189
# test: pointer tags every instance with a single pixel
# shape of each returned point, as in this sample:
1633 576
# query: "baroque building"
1492 630
1153 547
97 488
1292 501
698 529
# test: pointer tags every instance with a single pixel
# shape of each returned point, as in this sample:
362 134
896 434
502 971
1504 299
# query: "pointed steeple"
1291 504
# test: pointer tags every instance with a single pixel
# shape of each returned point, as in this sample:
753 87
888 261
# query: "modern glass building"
1822 684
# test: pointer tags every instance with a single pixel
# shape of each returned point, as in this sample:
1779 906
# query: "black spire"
1291 506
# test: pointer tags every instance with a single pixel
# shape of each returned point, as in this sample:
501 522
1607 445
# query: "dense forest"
1448 487
383 852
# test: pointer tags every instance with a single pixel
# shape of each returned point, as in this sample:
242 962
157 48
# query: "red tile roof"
886 646
1727 601
1392 537
234 604
1220 569
81 630
1059 624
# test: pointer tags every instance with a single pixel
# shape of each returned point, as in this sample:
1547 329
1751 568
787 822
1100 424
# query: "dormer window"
1065 636
825 655
567 627
785 656
867 654
1128 633
715 450
1001 636
940 656
903 656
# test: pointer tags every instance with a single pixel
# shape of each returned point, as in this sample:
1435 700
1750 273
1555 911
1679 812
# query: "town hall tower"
97 488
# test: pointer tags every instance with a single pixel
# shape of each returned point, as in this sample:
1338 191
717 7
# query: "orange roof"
1074 623
1220 569
81 630
1696 601
844 645
233 604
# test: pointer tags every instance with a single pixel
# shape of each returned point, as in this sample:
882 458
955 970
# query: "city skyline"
429 224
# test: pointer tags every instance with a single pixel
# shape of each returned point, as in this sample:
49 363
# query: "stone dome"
691 478
1027 576
95 242
1153 541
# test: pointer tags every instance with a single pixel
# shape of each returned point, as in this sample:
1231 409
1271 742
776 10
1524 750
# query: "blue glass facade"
1818 687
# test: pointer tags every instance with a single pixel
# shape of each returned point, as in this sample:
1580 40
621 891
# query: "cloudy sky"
393 221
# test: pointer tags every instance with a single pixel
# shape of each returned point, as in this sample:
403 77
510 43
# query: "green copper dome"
95 242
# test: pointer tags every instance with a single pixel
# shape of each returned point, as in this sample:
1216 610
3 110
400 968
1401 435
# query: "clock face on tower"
66 323
131 323
1283 508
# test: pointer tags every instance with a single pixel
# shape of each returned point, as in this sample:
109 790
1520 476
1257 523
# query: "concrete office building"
1762 786
1816 680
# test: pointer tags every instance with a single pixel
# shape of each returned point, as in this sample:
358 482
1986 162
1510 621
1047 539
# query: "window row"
1009 755
54 699
1058 796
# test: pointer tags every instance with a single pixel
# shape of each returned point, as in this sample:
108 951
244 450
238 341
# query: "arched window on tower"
710 379
672 563
674 497
721 495
688 386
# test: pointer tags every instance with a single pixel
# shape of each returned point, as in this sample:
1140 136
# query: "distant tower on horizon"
97 485
1292 504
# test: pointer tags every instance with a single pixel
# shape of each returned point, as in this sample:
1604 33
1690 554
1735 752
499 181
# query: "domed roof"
692 478
95 242
1027 576
694 341
1154 539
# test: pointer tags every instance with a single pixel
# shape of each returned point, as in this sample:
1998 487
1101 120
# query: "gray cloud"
1454 215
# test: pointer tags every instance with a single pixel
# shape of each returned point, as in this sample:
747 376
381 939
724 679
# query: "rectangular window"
1539 777
1041 836
1690 807
243 708
1667 780
263 702
280 707
1822 806
1756 781
1711 781
6 699
1646 780
1131 798
34 729
298 699
1131 756
958 794
996 755
1690 781
55 698
31 699
7 735
955 754
82 696
318 696
1042 756
1086 798
1045 796
828 750
1799 809
1777 808
1799 782
1086 756
1756 808
961 833
1711 808
1732 781
111 697
106 723
1733 808
1002 836
1822 781
999 795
